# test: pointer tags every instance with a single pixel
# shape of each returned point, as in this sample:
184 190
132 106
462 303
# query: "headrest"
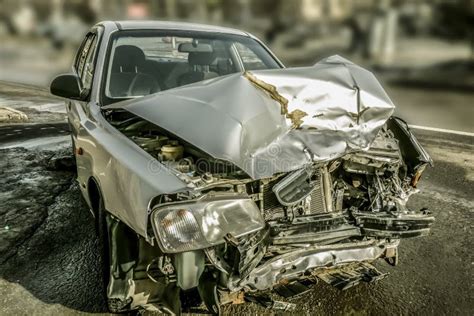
200 58
128 57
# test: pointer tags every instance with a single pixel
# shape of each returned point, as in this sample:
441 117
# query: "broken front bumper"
297 263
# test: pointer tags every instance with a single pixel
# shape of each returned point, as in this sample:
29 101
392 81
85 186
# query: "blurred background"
39 37
413 46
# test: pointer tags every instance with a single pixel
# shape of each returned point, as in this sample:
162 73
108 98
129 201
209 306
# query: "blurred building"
229 11
369 28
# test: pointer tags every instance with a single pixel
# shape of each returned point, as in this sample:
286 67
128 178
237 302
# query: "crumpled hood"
272 121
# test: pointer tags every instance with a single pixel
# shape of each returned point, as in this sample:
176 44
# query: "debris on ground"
9 115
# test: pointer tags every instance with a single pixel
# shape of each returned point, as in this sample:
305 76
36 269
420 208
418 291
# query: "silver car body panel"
126 175
122 170
294 263
231 119
273 121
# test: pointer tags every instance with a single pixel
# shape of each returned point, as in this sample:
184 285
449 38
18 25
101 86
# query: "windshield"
143 63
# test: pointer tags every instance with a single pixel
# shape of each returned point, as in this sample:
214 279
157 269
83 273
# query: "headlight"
204 223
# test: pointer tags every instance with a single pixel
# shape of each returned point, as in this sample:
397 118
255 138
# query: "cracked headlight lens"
204 223
180 226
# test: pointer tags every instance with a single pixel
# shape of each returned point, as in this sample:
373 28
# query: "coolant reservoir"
151 144
172 152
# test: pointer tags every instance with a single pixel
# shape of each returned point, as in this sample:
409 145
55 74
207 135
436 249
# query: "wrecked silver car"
214 172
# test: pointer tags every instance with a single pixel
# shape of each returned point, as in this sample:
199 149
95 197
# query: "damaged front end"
320 191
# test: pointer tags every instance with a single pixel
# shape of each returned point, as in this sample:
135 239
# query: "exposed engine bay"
176 154
312 216
377 180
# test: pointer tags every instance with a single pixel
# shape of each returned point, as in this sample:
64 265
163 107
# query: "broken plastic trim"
294 187
291 265
351 275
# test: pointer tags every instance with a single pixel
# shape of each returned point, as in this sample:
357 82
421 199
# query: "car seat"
199 61
128 77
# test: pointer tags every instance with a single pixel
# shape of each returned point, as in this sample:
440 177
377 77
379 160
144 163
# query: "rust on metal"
295 116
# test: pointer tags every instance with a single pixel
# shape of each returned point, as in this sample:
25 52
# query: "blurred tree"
231 10
273 11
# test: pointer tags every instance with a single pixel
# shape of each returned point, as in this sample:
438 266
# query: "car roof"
165 25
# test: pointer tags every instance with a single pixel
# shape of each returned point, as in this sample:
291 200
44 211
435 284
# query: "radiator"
272 209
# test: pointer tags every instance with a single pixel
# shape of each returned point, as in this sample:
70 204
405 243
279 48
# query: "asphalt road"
49 264
17 135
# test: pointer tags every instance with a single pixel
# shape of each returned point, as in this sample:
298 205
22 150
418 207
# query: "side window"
250 60
88 68
81 56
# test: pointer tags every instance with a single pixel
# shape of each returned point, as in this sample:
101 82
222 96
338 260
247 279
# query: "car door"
78 111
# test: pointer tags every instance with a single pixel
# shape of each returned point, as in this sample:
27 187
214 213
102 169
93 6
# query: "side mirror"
66 86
